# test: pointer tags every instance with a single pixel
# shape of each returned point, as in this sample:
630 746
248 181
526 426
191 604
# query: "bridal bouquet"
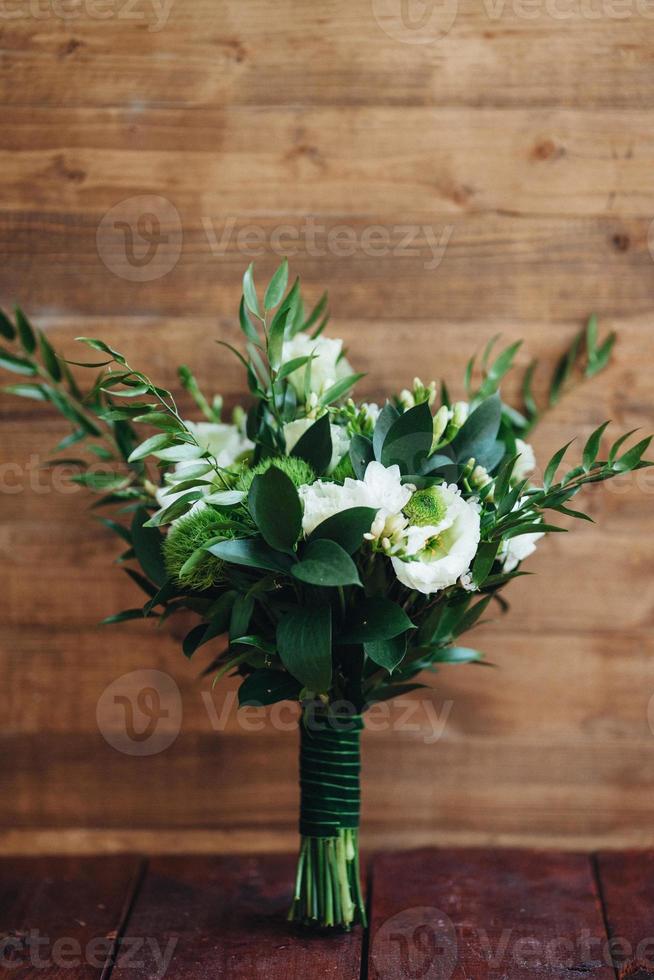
332 550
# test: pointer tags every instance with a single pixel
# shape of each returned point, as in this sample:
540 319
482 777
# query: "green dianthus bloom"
343 470
426 507
297 470
186 536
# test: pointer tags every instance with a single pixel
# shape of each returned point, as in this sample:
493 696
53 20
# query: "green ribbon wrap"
330 765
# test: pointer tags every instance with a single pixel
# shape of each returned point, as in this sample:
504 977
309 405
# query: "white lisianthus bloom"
515 550
441 541
327 366
293 432
525 464
227 443
380 488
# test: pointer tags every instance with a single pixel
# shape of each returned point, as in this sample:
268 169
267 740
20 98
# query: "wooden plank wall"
516 152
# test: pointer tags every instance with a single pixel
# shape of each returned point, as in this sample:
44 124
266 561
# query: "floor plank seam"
133 892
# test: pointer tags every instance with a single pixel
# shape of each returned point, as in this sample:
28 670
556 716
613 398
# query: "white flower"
380 488
327 365
515 550
225 442
437 555
293 432
371 412
525 463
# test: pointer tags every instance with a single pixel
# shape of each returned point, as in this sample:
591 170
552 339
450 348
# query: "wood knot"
546 149
70 47
621 242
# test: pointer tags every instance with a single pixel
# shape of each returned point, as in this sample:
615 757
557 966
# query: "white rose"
525 463
437 555
293 432
380 488
327 365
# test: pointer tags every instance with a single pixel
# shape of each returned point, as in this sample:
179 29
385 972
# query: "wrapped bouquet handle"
331 550
328 887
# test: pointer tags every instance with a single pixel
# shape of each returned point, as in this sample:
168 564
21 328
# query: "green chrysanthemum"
343 470
296 469
189 534
426 507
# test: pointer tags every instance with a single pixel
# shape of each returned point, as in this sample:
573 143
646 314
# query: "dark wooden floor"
435 915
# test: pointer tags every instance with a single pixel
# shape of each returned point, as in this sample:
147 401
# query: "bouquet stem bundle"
327 885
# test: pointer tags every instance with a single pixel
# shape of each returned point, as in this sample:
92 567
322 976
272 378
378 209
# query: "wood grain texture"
61 917
474 915
627 886
225 917
498 179
216 53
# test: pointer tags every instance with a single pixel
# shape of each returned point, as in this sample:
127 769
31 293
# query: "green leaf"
409 439
180 453
293 365
147 544
631 459
389 691
247 326
476 439
6 327
123 617
601 357
275 506
325 563
458 655
527 393
50 359
316 312
387 653
486 554
315 446
241 615
553 465
498 369
36 392
564 368
386 418
375 619
592 447
25 331
340 388
268 687
615 448
151 445
249 291
361 453
305 647
100 345
276 287
347 528
16 364
251 552
119 529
